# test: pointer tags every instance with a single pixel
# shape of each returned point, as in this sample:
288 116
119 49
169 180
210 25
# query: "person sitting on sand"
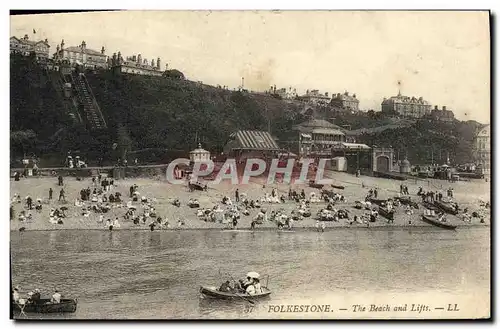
38 206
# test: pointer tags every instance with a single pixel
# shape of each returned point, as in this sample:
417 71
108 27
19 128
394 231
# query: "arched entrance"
383 164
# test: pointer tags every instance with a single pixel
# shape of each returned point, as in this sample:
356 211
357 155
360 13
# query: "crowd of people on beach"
101 199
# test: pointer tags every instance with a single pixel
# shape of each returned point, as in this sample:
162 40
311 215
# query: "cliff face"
161 113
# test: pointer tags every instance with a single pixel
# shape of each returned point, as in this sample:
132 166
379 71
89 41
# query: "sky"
443 57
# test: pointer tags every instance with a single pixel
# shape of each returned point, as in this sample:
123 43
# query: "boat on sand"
432 219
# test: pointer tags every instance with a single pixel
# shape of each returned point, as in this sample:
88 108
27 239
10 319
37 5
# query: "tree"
22 140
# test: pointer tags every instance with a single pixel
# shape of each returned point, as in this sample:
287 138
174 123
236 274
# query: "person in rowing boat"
35 297
257 287
15 295
245 284
225 287
442 217
238 286
56 297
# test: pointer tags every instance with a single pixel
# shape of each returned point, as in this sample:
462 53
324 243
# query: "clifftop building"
482 149
81 55
25 47
283 92
441 115
406 106
345 101
135 65
314 97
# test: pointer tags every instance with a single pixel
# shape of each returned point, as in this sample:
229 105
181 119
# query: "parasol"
253 275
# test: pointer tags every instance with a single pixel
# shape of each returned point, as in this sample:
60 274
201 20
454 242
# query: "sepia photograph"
250 165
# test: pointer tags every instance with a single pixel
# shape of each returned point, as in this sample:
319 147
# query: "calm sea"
156 275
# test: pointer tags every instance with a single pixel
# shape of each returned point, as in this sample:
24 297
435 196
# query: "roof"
355 146
328 131
405 99
140 66
345 97
30 42
199 150
254 140
87 51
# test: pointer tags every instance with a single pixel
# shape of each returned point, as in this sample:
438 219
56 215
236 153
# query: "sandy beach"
467 194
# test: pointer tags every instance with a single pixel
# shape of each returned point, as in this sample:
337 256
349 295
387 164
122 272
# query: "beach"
467 194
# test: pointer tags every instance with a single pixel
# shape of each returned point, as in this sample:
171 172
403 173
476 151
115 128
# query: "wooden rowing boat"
386 213
378 202
45 306
313 184
213 292
406 200
436 222
446 207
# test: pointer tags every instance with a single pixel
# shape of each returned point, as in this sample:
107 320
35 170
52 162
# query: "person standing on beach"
237 195
60 180
61 195
50 193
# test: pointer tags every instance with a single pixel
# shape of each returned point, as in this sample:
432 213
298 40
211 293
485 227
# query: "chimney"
444 108
139 59
153 62
158 66
102 50
84 45
435 107
134 58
